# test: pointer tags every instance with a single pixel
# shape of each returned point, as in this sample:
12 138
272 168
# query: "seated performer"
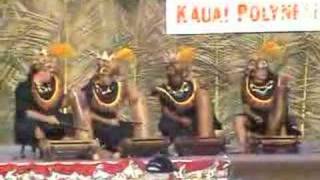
107 93
185 104
40 103
23 125
265 105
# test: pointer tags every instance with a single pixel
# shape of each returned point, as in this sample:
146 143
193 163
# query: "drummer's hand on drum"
53 120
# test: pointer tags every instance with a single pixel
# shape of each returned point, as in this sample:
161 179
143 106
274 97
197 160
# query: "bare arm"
41 117
279 112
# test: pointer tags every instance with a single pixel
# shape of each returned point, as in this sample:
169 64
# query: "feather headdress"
270 49
51 53
61 50
110 63
123 54
185 54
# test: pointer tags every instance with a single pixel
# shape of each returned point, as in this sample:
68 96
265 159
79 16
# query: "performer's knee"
39 134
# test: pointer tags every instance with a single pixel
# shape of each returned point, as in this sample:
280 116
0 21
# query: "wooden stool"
64 149
200 146
185 146
277 144
144 147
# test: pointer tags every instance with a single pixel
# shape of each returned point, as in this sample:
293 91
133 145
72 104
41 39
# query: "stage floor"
276 167
304 165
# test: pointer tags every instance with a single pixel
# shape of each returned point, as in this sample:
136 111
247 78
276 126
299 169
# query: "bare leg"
171 149
240 123
42 140
22 150
34 150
